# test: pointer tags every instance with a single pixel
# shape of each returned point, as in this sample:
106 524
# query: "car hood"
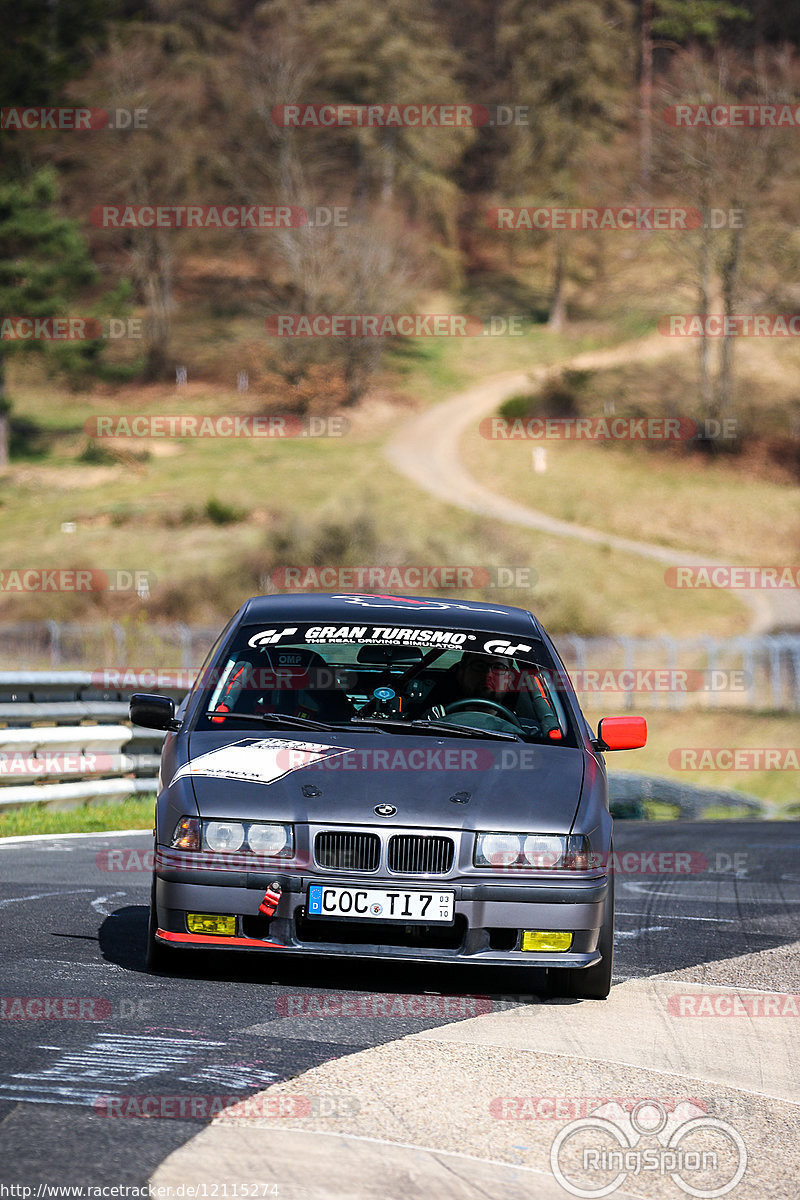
338 779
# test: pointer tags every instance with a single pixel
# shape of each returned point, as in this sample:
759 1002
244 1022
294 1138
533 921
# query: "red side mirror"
622 733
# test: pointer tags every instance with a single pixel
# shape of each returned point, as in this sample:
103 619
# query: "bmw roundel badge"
385 810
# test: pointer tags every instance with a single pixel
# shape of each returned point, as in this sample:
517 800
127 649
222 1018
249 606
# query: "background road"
70 927
426 451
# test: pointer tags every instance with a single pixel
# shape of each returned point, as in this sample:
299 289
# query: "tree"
571 65
43 261
742 174
155 69
44 45
395 52
679 21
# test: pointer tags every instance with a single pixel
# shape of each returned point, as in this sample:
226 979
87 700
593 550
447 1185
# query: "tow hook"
272 897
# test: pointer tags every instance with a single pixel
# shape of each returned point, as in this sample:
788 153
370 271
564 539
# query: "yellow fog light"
536 939
211 923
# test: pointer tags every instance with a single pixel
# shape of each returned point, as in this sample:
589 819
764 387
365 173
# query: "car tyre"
157 957
591 983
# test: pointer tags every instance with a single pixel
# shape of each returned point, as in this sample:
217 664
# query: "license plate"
376 904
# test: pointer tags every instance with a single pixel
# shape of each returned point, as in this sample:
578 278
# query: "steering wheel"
507 713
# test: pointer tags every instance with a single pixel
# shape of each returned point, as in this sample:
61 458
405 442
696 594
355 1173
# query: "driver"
486 677
474 676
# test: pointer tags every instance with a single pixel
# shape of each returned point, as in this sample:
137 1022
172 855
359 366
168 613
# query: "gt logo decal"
498 646
268 637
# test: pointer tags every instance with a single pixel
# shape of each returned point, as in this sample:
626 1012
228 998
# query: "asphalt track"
73 926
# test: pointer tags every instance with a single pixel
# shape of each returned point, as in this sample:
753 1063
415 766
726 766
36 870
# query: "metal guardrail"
752 673
756 673
64 739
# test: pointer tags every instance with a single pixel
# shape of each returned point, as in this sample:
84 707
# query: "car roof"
353 608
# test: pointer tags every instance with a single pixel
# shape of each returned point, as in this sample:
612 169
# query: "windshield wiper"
272 719
468 730
422 726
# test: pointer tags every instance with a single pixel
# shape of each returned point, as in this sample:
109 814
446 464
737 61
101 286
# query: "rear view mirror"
621 733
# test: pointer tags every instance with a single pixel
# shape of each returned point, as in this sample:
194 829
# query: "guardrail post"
54 629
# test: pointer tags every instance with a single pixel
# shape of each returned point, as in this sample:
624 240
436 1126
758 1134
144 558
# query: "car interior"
337 684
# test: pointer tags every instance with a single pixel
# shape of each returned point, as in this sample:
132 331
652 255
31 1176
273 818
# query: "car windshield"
387 678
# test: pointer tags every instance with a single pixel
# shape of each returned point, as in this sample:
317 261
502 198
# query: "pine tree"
43 260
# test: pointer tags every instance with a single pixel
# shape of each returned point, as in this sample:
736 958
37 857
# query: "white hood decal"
258 760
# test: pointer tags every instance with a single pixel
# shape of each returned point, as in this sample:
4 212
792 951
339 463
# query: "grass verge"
135 813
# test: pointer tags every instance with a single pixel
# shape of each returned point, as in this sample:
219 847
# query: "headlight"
542 850
258 837
223 835
497 849
535 851
270 839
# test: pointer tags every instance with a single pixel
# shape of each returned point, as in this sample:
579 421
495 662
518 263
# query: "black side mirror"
153 712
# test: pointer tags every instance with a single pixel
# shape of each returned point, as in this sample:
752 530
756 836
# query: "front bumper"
489 917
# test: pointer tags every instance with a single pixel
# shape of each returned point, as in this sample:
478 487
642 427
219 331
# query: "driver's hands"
435 713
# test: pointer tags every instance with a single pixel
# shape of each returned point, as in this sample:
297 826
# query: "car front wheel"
157 957
590 983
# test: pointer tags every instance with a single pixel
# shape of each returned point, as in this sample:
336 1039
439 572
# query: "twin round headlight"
274 841
533 850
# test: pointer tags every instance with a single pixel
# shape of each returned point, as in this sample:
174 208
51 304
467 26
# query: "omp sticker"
258 760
